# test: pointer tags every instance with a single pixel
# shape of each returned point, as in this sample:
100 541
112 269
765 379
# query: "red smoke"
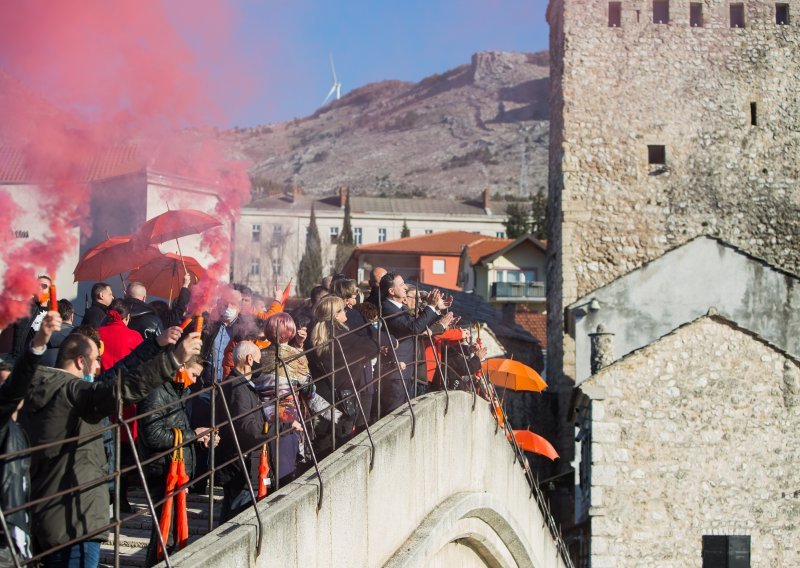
109 73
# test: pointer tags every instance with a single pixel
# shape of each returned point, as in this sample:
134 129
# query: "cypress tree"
309 273
345 244
405 231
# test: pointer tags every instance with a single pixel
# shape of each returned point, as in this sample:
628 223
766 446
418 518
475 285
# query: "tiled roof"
12 166
444 243
474 309
486 246
535 324
364 205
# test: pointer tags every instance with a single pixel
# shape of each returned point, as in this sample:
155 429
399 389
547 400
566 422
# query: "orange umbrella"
173 224
163 276
263 469
534 443
510 374
112 256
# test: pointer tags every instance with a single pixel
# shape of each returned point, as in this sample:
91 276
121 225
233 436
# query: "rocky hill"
482 125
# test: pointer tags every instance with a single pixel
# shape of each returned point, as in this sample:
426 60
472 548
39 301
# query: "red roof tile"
486 246
535 324
445 243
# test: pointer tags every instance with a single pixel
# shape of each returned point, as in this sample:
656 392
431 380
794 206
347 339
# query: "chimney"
295 192
602 348
342 195
509 314
487 206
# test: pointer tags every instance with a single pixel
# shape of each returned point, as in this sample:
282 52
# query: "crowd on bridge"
247 396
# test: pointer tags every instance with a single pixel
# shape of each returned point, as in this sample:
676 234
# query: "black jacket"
15 472
175 315
144 319
358 350
95 315
155 430
23 332
58 406
405 328
242 398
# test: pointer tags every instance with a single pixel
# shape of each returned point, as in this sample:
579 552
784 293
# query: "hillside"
452 135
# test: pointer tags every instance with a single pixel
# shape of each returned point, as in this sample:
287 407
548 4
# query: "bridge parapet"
453 494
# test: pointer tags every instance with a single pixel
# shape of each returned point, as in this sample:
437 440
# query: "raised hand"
50 324
446 319
169 336
188 347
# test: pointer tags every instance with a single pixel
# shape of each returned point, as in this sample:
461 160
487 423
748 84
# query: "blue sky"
287 44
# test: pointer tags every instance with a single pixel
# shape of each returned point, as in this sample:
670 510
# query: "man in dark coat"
26 327
67 313
242 399
67 402
102 296
404 327
156 435
144 318
15 472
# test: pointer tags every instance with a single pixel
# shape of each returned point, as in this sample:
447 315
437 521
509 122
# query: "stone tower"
669 119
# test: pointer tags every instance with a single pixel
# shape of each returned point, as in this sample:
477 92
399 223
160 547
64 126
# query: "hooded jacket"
144 319
58 406
155 430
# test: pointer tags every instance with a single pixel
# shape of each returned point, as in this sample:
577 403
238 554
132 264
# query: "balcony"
518 291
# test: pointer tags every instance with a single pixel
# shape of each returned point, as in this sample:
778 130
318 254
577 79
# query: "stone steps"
135 533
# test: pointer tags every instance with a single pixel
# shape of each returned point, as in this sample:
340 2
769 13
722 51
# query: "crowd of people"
251 390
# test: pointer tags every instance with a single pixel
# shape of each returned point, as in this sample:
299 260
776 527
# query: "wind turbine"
337 86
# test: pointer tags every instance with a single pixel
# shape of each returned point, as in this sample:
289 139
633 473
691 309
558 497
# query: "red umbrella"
173 225
163 276
112 256
534 443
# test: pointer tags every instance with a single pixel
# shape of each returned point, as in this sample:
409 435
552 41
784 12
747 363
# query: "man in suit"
404 327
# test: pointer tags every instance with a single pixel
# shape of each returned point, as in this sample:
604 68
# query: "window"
656 155
782 14
660 11
256 232
381 235
277 233
696 15
428 231
500 235
737 15
277 266
753 114
515 276
732 551
438 266
358 235
334 232
614 14
255 267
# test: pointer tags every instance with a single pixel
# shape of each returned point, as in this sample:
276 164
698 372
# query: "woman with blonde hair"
335 384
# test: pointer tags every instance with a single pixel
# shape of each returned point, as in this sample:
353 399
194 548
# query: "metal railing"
387 367
519 290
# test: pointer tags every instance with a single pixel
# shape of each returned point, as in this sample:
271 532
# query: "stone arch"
473 520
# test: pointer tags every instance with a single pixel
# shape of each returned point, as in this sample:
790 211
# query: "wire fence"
340 369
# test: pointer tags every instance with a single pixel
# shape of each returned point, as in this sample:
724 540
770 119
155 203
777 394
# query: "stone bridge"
450 495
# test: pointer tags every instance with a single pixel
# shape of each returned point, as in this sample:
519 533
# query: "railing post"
117 464
9 539
212 456
405 390
358 400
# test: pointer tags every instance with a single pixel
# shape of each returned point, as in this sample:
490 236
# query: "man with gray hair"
144 318
248 430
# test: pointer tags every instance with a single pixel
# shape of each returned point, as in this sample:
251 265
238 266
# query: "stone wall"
449 492
614 91
695 435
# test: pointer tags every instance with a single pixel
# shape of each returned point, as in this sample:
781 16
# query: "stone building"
687 441
669 120
269 239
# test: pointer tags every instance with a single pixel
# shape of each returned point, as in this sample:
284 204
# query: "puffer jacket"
15 472
155 430
144 319
58 406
